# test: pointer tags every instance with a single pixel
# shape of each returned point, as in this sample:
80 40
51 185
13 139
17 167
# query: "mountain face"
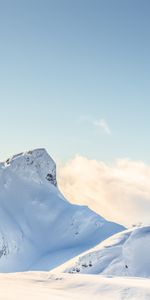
124 254
39 228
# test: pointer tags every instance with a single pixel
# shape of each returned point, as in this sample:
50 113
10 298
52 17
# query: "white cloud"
103 125
119 191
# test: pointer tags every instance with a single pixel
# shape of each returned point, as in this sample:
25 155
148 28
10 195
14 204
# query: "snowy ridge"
39 228
124 254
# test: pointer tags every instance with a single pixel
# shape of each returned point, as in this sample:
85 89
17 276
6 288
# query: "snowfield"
49 286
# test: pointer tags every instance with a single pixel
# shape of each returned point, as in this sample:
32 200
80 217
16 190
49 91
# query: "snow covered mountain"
39 228
124 254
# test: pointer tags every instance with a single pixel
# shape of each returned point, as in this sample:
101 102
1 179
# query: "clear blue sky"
64 66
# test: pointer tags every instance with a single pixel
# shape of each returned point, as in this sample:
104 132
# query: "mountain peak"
36 165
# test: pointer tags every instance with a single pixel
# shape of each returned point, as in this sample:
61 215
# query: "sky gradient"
74 78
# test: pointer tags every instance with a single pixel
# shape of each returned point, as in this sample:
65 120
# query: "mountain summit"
35 165
39 228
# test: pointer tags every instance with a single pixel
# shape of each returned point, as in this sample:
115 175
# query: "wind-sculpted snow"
124 254
39 228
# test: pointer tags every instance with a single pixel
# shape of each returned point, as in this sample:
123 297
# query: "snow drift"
39 228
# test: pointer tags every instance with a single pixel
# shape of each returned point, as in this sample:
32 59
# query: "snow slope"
39 228
124 254
46 286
